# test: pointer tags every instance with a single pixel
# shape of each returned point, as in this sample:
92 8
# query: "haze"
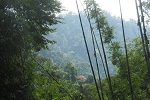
112 6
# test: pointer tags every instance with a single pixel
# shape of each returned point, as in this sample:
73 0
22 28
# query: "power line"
145 37
52 77
98 46
48 73
100 56
95 40
141 33
88 51
92 32
95 54
110 84
98 69
22 49
127 61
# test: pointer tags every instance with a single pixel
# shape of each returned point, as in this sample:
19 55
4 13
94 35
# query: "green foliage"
47 88
70 45
71 72
120 82
138 72
89 91
16 77
90 79
115 51
146 8
23 26
100 20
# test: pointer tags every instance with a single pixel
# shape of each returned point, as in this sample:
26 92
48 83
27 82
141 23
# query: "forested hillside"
89 55
70 46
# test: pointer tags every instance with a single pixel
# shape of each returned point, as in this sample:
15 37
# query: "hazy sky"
112 6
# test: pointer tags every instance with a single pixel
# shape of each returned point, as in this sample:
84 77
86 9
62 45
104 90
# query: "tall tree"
146 8
101 23
23 26
71 72
138 70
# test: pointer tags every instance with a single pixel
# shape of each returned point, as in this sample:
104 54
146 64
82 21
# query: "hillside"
70 46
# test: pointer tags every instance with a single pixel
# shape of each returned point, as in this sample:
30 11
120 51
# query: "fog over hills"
70 46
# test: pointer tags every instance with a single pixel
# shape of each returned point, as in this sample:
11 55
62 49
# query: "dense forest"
89 55
72 49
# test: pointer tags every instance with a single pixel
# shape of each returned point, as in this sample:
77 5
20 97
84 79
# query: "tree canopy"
62 71
23 26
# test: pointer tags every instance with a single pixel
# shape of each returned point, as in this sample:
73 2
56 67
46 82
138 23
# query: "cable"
143 43
52 77
141 33
98 69
95 39
49 74
88 51
127 61
107 69
145 36
100 56
92 32
22 49
97 44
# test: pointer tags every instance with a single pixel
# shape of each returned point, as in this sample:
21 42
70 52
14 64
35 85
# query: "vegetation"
23 24
62 71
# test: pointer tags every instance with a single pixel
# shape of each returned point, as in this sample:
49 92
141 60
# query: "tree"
146 9
47 88
138 73
71 72
23 26
90 79
100 20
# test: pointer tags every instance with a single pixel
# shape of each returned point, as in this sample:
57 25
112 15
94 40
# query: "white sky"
112 6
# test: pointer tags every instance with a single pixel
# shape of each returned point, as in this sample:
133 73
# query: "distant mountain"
70 46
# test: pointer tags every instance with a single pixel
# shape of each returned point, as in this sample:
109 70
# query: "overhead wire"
49 74
105 58
22 49
88 51
142 38
98 69
126 52
53 78
98 46
141 33
95 54
145 38
100 54
93 37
